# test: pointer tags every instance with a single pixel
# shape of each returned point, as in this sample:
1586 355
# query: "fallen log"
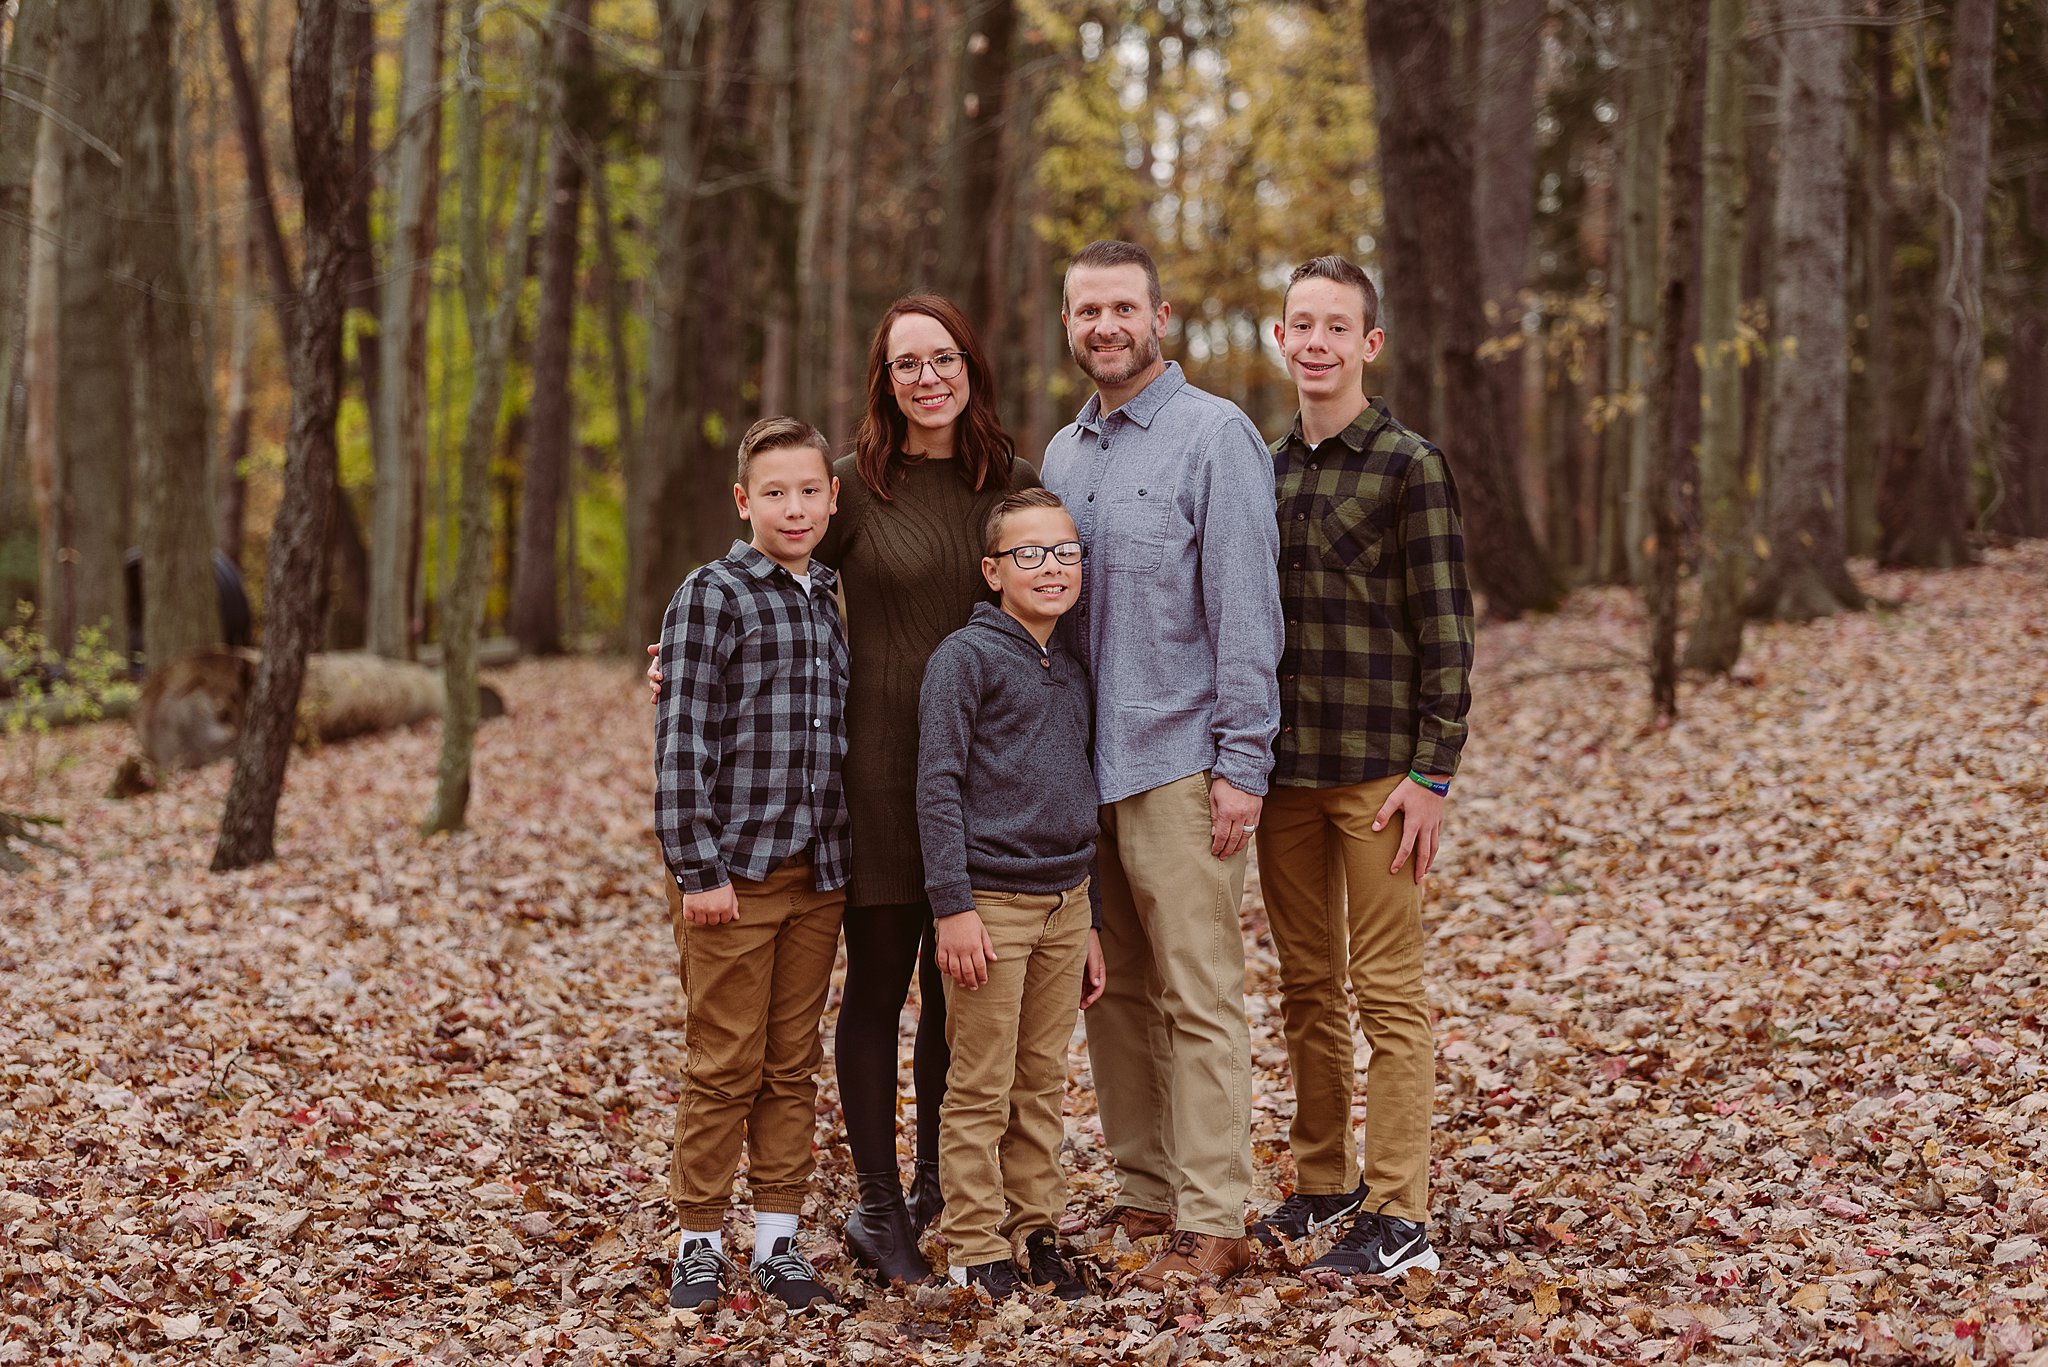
190 711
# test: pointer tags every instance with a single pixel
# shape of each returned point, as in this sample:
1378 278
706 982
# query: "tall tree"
401 413
94 394
971 230
1931 527
1668 393
24 74
533 615
1716 640
2023 446
292 586
1805 574
1426 163
1650 62
490 330
174 515
657 498
1511 39
1875 404
40 362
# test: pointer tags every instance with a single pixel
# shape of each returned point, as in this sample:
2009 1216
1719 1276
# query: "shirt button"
1311 465
817 721
1286 730
1301 517
1091 498
1105 443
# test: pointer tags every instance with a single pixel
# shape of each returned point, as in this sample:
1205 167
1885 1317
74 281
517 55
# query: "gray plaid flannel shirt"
750 732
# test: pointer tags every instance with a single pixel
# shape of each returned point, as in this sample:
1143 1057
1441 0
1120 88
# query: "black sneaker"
1046 1270
1379 1246
998 1278
785 1275
1301 1215
702 1275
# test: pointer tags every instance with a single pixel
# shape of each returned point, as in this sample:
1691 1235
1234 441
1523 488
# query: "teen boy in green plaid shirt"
1374 687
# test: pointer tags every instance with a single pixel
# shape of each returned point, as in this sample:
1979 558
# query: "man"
1374 687
1171 492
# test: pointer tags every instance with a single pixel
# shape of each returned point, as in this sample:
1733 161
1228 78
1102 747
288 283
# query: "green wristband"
1440 789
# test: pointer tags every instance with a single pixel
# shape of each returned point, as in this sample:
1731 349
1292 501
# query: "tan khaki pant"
754 989
1167 1039
1339 918
1001 1126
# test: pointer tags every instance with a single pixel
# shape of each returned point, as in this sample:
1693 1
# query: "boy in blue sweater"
1006 814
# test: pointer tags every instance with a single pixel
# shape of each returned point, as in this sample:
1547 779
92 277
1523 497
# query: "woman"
930 459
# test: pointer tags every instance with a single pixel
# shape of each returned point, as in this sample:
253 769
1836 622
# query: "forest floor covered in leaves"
1740 1027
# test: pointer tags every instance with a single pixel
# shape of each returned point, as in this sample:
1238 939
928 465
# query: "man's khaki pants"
1001 1126
1167 1039
754 990
1339 917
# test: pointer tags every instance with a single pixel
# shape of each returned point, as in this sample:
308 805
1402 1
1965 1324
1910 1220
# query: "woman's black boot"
879 1230
925 1200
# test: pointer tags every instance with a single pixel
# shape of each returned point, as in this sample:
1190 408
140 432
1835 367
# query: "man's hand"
965 951
654 674
1422 820
1233 816
713 908
1093 976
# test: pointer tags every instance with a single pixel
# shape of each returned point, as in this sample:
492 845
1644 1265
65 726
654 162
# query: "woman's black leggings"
882 947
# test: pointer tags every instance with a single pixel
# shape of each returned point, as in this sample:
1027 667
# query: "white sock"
958 1274
714 1237
768 1227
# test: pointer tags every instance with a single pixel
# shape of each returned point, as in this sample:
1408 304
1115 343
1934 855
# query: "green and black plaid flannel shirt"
1376 675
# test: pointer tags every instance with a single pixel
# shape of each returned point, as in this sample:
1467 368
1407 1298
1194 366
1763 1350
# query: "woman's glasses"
908 369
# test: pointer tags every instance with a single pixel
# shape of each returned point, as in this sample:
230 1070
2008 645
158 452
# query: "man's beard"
1118 367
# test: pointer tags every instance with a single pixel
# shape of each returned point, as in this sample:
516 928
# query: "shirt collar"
763 566
1358 435
1144 405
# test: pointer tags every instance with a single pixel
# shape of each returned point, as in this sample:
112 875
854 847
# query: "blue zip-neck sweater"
1005 783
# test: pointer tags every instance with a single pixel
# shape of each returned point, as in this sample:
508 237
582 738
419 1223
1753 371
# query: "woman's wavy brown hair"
980 444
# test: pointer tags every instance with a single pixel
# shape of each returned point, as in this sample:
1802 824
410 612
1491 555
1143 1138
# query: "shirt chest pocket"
1355 535
1133 531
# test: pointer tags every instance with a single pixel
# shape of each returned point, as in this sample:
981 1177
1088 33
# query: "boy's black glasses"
1031 557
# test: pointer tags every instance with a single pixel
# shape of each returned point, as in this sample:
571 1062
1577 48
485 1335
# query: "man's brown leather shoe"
1139 1224
1202 1257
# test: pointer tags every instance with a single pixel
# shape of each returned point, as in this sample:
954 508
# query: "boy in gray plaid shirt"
751 813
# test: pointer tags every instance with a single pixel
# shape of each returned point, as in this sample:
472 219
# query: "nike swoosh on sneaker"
1394 1259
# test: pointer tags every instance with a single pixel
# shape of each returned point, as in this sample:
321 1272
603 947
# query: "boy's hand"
654 675
713 908
1094 977
965 951
1422 820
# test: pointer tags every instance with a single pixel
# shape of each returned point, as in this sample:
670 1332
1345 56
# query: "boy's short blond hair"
1016 501
779 434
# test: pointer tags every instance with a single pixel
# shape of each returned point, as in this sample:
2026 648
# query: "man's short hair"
1344 271
778 434
1112 252
1016 501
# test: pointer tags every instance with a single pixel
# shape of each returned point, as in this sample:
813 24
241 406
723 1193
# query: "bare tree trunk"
299 535
490 330
1807 494
1680 275
95 415
1933 527
1650 67
656 503
174 519
401 416
1427 164
1871 391
2023 449
777 212
40 363
1511 38
971 183
25 73
1716 639
618 358
534 615
825 95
